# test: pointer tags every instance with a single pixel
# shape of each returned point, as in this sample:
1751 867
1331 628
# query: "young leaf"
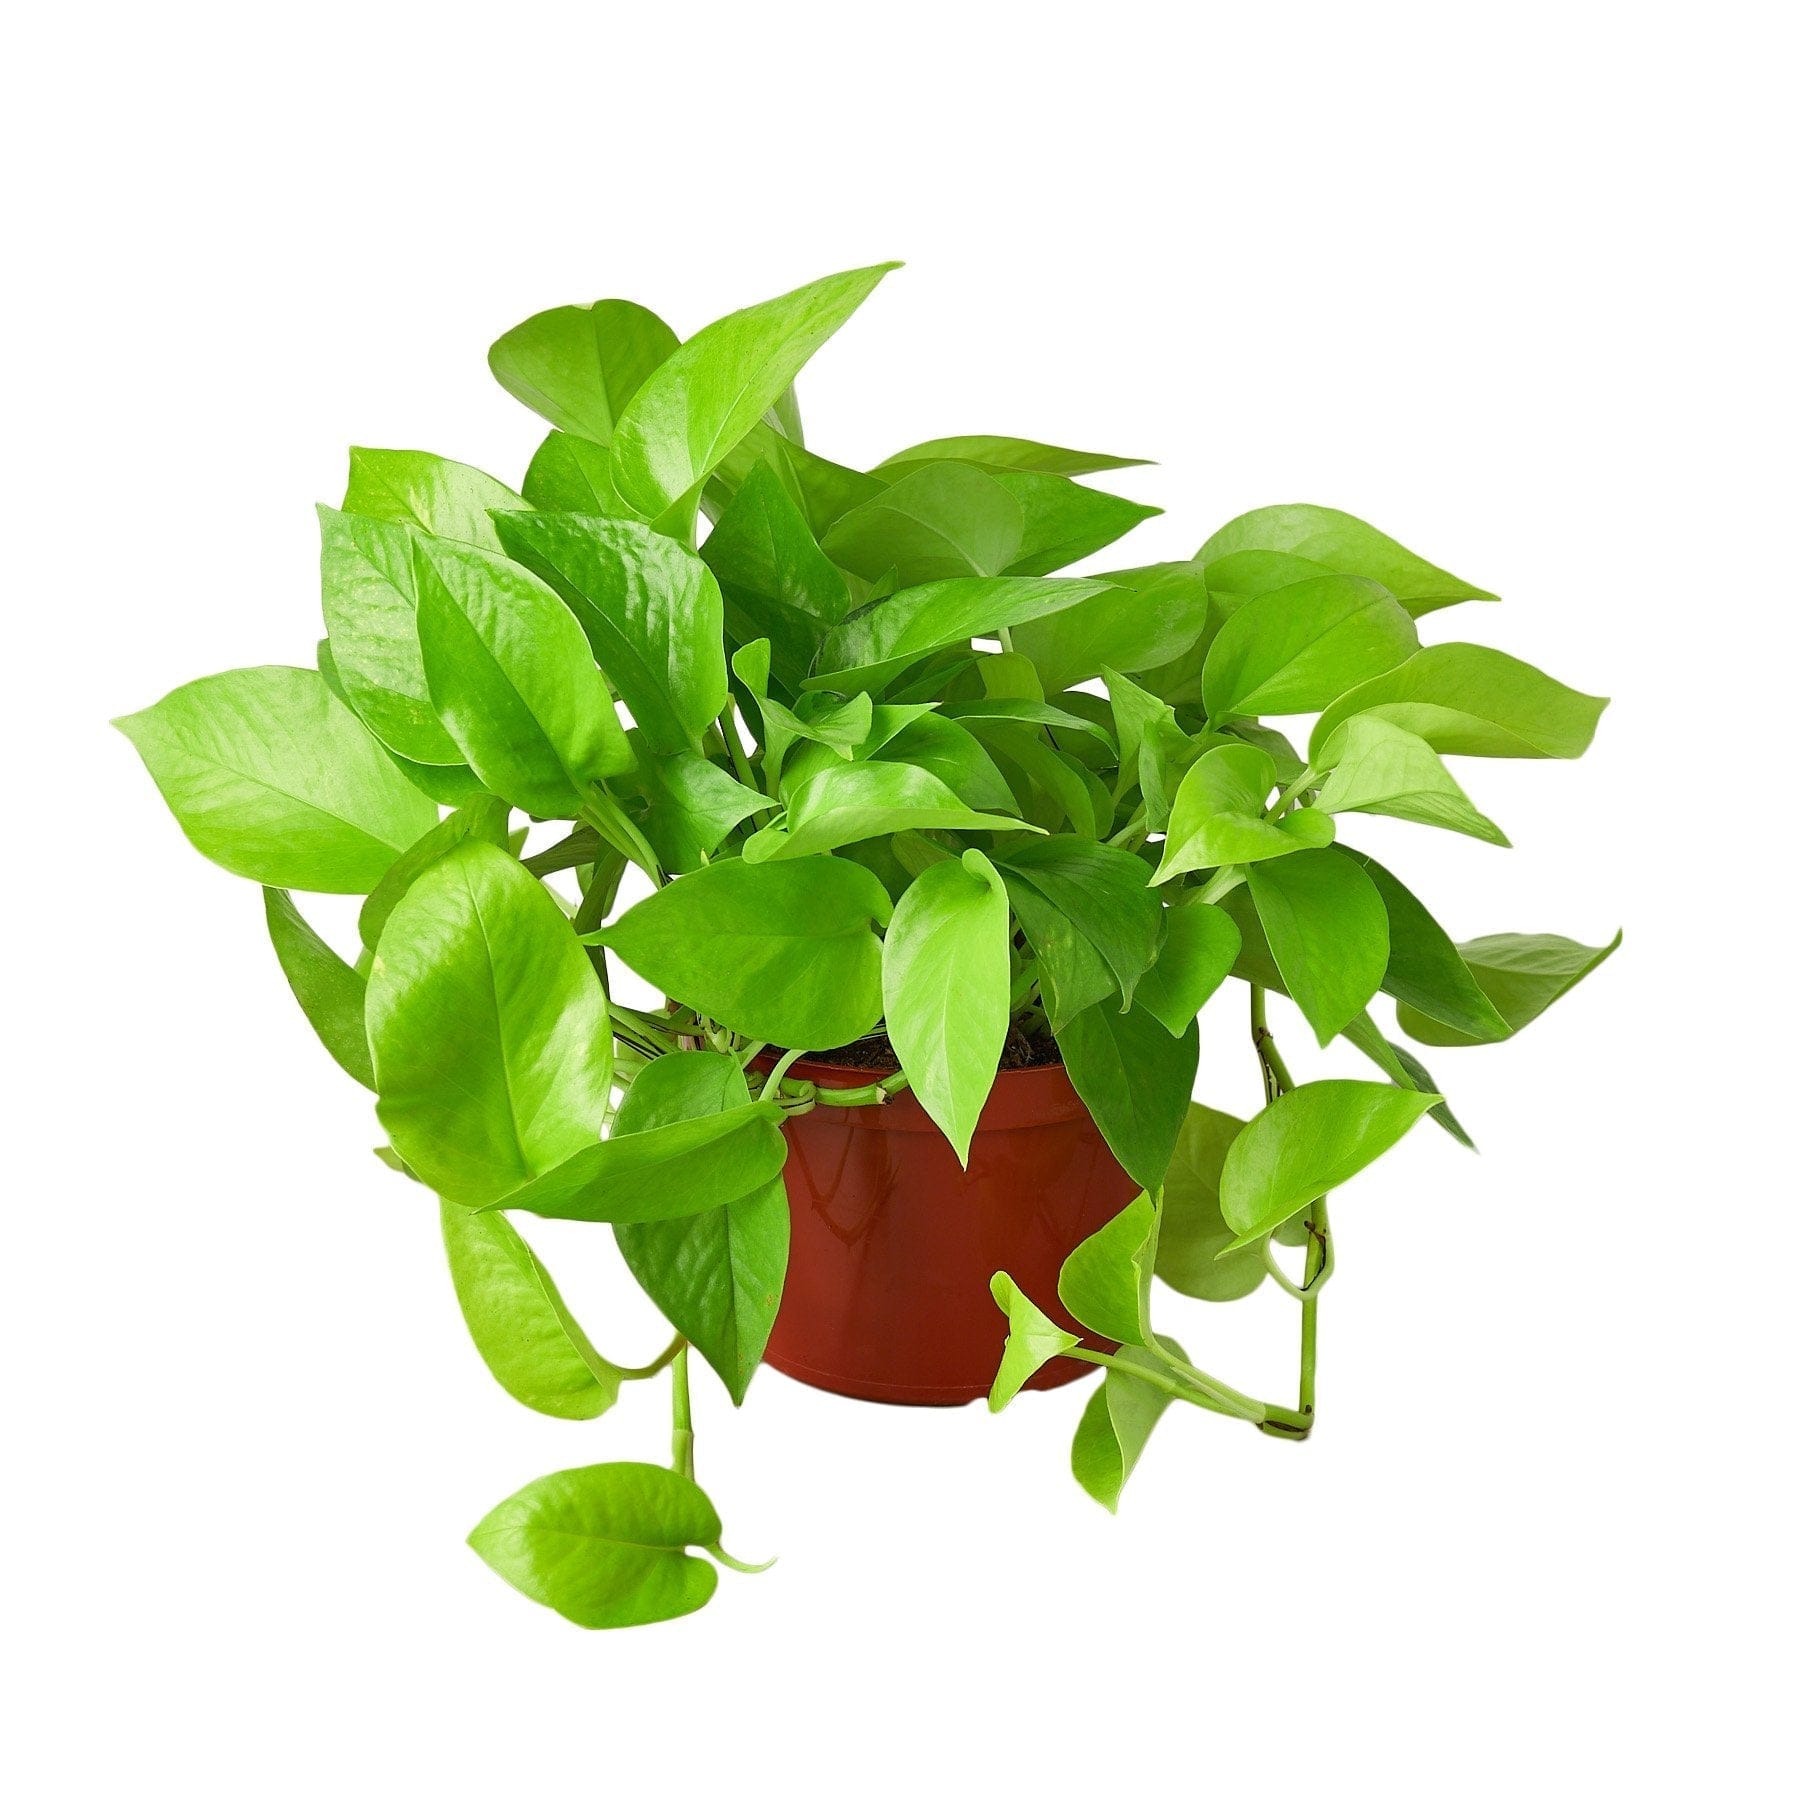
782 951
330 992
579 366
1217 817
1328 931
1143 619
716 1276
867 651
572 474
518 1322
514 681
1136 1081
488 1026
936 522
1105 1279
1522 976
431 493
605 1546
1296 649
848 801
1064 521
944 979
1032 1340
1116 1424
1105 892
1199 945
705 396
1324 535
1468 700
273 779
945 748
483 818
1010 453
1376 767
1308 1142
1194 1253
690 806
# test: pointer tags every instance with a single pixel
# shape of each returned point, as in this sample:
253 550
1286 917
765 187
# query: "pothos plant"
875 766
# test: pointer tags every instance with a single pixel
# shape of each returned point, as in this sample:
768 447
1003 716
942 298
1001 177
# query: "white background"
1507 282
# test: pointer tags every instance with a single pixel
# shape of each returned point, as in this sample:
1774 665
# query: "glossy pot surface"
894 1243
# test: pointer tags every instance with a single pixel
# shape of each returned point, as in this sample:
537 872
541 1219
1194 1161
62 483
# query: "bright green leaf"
330 992
1143 619
848 801
1033 1340
1521 974
1199 945
1328 931
432 493
1194 1253
579 366
1116 1424
1376 767
1010 453
1217 817
934 523
1105 1279
483 818
1136 1081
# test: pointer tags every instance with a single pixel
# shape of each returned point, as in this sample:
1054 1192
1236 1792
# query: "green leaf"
1116 1424
1328 931
531 1344
579 366
782 951
492 1049
1419 1077
1199 945
1376 767
1296 649
1308 1142
483 818
1522 976
1136 1081
605 1546
1064 521
944 979
934 523
514 681
572 474
1194 1253
273 779
330 992
1071 973
1028 712
867 651
667 1172
651 611
705 397
1034 1338
432 493
1143 619
1323 535
944 747
1468 700
823 490
1425 970
690 806
849 801
1105 1279
716 1276
1105 892
1218 818
1010 453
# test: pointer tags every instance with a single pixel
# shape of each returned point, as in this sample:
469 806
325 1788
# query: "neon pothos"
875 764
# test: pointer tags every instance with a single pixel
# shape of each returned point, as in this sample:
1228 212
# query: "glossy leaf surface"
1377 767
1522 975
1135 1079
1116 1424
1033 1339
1194 1252
330 992
1217 816
1327 929
1105 1279
431 493
1200 944
579 366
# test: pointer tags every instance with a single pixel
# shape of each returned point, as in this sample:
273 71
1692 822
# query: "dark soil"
876 1054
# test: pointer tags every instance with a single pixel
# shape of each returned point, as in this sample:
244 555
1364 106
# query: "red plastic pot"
894 1243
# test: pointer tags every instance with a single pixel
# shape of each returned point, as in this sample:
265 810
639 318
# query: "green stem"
788 1059
1308 777
1219 884
669 1354
877 1093
735 744
681 1440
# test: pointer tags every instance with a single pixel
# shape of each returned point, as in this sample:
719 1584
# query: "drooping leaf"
1323 535
432 493
1325 924
1308 1142
488 1027
1104 891
1199 946
1010 453
1144 619
717 1275
650 609
1468 700
526 1335
272 778
1193 1244
579 366
1072 975
1376 767
690 806
1522 974
605 1546
1298 648
1105 1279
847 801
330 992
483 818
944 990
934 523
1136 1080
1033 1340
704 397
513 680
1419 1077
1116 1424
1217 816
783 951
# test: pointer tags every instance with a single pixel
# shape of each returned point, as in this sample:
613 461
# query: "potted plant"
934 854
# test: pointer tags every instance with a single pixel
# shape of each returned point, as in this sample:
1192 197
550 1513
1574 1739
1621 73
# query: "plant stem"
681 1441
788 1059
735 744
670 1352
1308 777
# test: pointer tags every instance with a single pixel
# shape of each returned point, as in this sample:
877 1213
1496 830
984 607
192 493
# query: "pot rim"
1020 1099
